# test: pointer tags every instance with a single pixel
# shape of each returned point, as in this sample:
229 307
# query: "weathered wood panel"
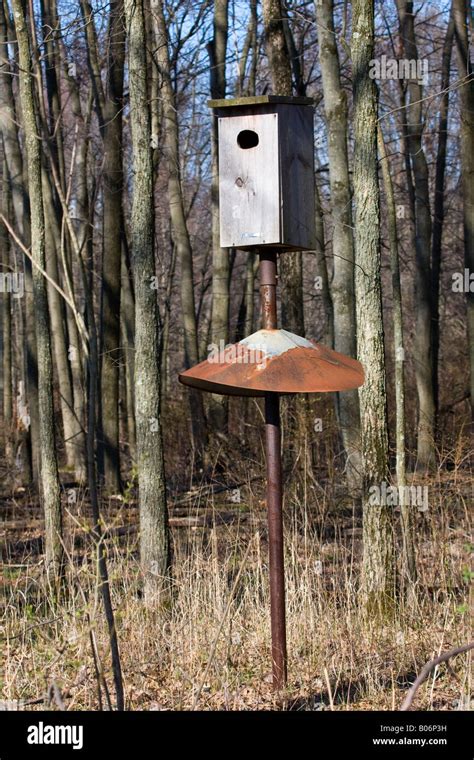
297 176
249 192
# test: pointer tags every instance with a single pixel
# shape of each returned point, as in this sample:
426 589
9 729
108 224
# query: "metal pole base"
268 281
275 539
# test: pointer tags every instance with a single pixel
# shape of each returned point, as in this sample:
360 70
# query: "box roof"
259 100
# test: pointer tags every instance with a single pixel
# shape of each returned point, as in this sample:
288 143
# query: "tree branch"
426 670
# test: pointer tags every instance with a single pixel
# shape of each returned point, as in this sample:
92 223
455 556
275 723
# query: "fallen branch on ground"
426 670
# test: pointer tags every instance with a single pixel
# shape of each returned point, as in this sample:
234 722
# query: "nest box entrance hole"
247 138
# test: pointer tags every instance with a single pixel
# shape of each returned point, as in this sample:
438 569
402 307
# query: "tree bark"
74 438
166 323
9 129
84 223
50 489
377 574
322 272
290 264
154 540
7 327
342 285
112 189
438 211
218 405
109 106
296 57
408 534
21 207
250 47
127 307
423 276
73 435
178 219
467 162
50 24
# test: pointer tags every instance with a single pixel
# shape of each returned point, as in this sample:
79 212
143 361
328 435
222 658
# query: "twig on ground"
426 670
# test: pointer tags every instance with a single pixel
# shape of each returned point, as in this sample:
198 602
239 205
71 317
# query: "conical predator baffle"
274 360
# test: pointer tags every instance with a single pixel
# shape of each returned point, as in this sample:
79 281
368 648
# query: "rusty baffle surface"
272 360
277 361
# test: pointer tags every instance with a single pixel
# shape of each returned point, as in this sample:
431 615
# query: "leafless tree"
49 478
154 541
378 576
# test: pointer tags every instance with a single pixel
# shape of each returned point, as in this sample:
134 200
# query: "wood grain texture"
249 197
266 193
297 176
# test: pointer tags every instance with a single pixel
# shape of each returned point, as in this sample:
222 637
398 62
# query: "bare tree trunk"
74 438
250 47
7 327
423 288
467 161
218 405
50 23
56 310
290 264
178 219
245 316
322 278
378 558
127 307
84 223
109 105
50 489
438 216
408 535
277 48
90 336
296 56
98 534
21 207
104 588
154 541
342 285
156 106
9 129
252 263
75 358
113 179
166 324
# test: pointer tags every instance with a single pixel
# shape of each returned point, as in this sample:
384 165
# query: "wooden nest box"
266 172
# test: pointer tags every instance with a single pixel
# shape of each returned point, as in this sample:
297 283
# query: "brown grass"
337 659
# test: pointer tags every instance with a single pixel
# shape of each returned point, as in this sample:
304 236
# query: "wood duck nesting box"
266 172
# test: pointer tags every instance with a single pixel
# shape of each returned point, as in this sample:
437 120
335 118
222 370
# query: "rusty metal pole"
268 281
